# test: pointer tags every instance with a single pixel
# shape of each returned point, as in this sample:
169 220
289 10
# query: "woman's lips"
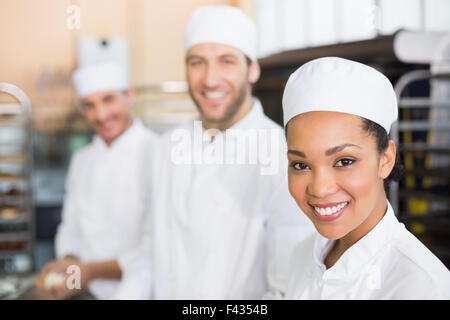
329 211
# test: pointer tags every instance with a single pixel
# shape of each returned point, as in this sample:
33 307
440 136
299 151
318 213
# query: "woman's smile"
329 211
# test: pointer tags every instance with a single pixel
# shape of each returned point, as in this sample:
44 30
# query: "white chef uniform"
219 231
105 201
387 263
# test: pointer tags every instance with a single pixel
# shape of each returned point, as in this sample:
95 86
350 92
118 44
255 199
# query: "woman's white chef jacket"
387 263
105 201
218 231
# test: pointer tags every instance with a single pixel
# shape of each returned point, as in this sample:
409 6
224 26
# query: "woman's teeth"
214 95
330 210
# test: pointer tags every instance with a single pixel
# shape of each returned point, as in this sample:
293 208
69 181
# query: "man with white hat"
220 228
106 193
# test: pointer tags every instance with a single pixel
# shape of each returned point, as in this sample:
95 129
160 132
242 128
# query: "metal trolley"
422 199
17 220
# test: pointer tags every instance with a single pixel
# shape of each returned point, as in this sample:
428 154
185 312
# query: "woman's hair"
382 141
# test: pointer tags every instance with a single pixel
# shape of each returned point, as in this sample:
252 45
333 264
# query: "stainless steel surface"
22 287
11 287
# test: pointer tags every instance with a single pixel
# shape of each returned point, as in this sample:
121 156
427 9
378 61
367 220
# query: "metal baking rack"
17 221
422 199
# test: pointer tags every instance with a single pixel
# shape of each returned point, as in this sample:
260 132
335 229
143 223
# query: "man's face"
219 79
109 112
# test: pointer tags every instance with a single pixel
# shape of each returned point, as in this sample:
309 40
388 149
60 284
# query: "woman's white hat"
221 24
340 85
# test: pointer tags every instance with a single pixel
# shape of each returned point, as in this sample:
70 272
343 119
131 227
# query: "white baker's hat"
98 77
221 24
340 85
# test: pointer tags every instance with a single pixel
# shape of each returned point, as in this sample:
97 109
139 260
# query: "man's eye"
299 166
344 162
195 63
228 61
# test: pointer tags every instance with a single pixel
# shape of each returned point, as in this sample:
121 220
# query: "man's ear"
131 94
387 161
254 71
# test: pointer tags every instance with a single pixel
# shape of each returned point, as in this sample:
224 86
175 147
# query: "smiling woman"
346 171
338 114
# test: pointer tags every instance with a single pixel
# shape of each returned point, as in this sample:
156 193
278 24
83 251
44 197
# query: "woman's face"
335 171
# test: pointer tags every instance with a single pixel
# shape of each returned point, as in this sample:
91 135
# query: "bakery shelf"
13 159
435 214
16 166
11 109
422 103
11 179
426 195
11 253
408 88
14 236
422 126
440 149
22 217
440 172
16 200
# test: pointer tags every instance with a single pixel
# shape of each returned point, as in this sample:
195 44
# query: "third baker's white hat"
98 77
340 85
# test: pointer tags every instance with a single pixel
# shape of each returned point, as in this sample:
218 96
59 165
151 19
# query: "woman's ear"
387 161
254 71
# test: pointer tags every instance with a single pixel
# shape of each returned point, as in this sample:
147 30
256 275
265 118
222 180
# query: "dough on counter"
54 279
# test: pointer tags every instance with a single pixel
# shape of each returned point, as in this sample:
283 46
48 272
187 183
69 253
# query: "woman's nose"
322 185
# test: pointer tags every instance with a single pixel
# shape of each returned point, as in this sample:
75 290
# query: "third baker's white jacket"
106 201
218 231
387 263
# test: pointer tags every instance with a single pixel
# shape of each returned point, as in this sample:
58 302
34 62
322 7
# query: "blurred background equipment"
422 199
16 165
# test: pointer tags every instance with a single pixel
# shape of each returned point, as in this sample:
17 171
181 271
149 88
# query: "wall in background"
295 24
39 51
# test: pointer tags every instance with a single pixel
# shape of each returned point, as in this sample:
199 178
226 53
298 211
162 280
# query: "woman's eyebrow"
297 153
329 152
341 147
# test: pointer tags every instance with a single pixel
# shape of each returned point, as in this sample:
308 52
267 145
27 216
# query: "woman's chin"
330 232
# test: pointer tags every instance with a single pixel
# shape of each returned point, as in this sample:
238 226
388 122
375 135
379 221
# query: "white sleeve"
287 227
136 282
136 266
68 235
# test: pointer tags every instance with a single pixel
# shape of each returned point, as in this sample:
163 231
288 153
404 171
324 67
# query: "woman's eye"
299 166
344 162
